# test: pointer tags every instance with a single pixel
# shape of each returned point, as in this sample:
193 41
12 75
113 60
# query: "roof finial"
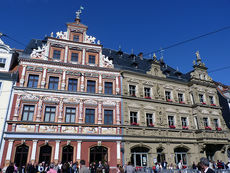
154 57
132 51
198 59
78 13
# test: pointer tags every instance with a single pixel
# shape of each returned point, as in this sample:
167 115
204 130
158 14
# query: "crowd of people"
203 166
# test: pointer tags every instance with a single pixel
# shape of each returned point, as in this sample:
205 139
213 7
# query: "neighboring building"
169 115
67 104
224 99
8 77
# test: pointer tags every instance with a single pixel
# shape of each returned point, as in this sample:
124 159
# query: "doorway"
45 154
98 153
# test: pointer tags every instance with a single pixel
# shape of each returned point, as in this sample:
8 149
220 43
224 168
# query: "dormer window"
76 38
2 62
92 59
57 54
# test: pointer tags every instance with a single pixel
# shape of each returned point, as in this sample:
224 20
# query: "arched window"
67 154
181 154
45 154
98 153
139 156
21 155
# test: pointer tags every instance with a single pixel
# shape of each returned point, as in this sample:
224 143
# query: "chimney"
141 55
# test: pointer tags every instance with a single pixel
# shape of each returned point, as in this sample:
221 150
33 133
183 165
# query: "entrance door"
21 155
67 154
98 153
45 154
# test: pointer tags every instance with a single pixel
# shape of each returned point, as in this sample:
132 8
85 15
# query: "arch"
98 153
139 156
67 153
21 154
181 154
141 145
45 154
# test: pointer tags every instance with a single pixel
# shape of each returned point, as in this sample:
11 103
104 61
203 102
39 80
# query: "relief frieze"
25 128
91 130
30 68
108 131
66 129
47 129
104 76
91 75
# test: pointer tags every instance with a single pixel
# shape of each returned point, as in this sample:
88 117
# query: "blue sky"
143 26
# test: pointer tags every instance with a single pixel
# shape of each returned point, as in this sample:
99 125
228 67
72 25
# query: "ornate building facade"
168 115
67 103
8 78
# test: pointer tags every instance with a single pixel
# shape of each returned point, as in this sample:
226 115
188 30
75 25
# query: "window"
147 92
132 90
91 59
76 38
216 123
201 98
33 81
149 119
28 113
53 83
139 156
184 122
72 85
180 97
108 117
2 62
181 154
91 85
168 95
50 112
70 114
56 54
171 120
74 57
89 116
108 88
205 120
211 99
133 117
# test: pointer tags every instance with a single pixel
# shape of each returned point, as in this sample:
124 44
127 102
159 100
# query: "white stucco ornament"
90 39
105 62
40 52
61 35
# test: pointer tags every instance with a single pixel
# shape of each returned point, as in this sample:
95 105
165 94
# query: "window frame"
23 111
90 116
70 114
76 84
54 54
211 100
132 91
108 88
180 97
171 122
168 95
133 117
88 89
205 122
3 61
28 83
149 119
184 123
147 93
49 83
201 98
108 117
45 113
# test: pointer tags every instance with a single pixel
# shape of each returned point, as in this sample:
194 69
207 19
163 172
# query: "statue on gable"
90 39
39 52
61 35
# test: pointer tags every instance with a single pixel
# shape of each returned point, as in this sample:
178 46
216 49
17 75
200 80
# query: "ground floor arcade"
22 151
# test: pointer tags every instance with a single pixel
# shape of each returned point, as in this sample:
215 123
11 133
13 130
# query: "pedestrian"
129 168
83 169
10 168
205 165
106 167
40 168
51 169
180 165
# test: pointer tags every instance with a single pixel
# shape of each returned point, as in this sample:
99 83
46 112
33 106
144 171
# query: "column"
100 84
38 118
118 112
22 80
66 53
56 154
82 83
63 81
83 56
117 85
34 149
80 111
17 104
118 152
79 150
99 112
9 151
60 111
43 82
